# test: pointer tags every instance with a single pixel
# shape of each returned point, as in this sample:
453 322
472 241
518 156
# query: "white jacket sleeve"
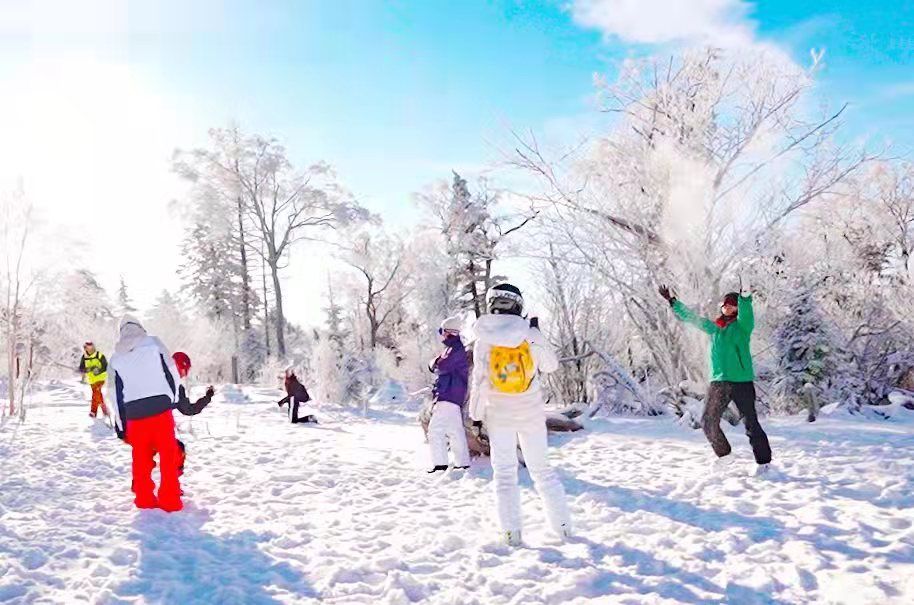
170 366
477 408
546 359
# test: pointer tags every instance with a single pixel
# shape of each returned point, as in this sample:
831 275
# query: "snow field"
344 513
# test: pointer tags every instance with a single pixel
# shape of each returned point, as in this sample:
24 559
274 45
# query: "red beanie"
731 299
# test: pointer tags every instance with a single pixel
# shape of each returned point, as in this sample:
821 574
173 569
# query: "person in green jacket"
731 371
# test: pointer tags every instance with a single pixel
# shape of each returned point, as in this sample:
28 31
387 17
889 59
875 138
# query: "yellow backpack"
511 368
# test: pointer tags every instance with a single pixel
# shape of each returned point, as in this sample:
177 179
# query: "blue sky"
393 94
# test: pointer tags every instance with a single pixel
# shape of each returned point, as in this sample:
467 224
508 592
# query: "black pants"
293 412
743 394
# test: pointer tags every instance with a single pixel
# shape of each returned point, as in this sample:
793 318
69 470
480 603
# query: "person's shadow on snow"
628 500
653 577
179 562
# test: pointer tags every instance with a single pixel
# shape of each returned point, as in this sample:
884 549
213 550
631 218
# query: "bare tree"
281 205
18 282
379 261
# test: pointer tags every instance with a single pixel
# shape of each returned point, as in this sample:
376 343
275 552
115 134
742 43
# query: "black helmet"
505 299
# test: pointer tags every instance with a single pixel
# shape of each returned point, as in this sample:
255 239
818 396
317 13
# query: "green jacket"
731 360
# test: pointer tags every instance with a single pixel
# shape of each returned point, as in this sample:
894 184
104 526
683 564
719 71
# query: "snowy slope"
343 513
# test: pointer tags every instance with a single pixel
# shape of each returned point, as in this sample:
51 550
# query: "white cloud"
723 23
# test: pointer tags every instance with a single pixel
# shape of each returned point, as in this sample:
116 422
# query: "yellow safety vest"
94 362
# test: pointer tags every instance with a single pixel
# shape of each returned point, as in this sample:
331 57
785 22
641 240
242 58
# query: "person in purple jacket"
450 393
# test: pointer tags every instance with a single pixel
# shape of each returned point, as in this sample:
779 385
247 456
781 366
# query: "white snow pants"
446 426
503 440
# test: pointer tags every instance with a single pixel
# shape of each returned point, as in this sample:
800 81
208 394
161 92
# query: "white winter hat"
452 324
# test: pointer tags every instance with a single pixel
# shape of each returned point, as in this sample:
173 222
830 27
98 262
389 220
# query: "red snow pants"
148 436
98 399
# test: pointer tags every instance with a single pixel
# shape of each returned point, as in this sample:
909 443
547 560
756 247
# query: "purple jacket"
452 368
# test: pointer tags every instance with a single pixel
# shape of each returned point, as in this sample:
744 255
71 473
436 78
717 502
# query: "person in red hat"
184 405
731 372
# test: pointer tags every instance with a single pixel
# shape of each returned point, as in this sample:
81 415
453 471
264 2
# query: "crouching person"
145 384
296 396
450 392
506 393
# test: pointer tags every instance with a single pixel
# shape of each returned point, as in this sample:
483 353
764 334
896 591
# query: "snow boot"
761 470
440 467
513 537
462 468
722 465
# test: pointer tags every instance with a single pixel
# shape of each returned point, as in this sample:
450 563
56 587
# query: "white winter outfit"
446 426
144 377
513 418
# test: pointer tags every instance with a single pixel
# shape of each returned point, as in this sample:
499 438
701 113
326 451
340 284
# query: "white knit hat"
452 324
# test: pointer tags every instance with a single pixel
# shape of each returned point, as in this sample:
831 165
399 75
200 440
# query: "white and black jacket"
145 381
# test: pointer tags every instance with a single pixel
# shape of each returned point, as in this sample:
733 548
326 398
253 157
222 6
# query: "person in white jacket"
145 383
506 394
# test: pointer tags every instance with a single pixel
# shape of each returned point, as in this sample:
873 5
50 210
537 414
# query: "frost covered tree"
472 225
211 275
807 354
20 282
576 322
216 207
124 302
708 156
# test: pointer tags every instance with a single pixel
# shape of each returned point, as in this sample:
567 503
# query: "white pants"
503 440
447 425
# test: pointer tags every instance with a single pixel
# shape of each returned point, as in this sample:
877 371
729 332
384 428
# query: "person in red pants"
145 384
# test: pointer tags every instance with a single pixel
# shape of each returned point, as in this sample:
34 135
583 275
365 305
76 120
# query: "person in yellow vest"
94 365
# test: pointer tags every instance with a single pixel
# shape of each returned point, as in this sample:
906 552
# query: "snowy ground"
343 513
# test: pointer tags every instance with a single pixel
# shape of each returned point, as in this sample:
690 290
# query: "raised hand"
744 288
666 293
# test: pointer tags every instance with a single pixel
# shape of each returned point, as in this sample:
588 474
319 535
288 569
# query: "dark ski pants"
293 412
720 394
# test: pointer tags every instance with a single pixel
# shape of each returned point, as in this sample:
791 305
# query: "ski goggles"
502 300
442 332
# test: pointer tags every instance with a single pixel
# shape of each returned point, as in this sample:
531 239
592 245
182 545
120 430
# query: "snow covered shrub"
808 359
272 372
327 372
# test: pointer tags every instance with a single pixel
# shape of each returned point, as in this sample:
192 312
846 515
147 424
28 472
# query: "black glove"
121 434
535 322
477 424
210 391
666 293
